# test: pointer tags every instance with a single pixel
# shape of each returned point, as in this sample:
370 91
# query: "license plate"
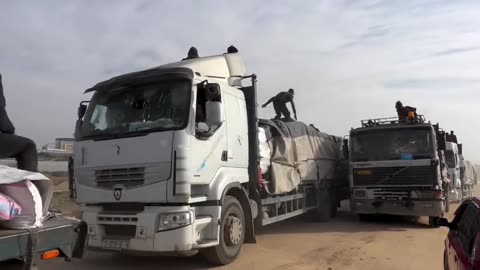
115 244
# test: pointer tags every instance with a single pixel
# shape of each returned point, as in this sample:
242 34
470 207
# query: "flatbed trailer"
58 237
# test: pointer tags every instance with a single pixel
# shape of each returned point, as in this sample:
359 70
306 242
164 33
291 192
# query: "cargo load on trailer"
294 152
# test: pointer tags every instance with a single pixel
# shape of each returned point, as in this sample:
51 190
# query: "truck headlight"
174 220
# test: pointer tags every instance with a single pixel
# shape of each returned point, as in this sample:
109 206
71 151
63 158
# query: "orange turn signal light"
51 254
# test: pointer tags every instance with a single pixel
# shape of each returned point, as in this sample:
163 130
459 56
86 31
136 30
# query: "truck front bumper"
434 208
140 232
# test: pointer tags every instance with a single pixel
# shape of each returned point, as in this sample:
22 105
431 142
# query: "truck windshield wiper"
100 136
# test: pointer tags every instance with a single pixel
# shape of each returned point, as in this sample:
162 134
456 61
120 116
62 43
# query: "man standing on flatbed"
280 104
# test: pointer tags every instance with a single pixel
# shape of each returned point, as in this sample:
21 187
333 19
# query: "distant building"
65 144
62 148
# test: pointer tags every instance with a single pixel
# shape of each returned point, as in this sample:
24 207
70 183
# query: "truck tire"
365 217
232 234
333 204
323 212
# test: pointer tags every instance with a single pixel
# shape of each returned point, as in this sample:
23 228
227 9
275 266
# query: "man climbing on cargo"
280 104
22 149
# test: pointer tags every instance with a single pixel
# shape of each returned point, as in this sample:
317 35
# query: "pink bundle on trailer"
32 192
9 209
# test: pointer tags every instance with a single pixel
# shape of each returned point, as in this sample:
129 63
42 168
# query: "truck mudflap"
435 208
58 237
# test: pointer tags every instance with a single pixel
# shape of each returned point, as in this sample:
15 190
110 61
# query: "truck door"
237 129
208 149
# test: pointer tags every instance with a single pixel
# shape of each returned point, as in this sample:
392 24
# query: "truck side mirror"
82 109
345 149
460 148
214 113
443 222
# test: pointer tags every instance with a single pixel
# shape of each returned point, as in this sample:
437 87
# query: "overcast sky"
347 60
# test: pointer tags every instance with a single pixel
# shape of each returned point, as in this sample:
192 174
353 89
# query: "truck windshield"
392 144
138 109
450 158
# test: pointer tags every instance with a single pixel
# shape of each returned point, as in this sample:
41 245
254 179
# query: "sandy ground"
343 243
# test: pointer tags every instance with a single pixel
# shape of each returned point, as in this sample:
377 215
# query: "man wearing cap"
280 104
22 149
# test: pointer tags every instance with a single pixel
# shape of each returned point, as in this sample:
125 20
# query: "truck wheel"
333 204
366 217
232 234
323 212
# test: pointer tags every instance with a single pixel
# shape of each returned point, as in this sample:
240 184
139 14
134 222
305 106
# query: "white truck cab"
452 159
159 151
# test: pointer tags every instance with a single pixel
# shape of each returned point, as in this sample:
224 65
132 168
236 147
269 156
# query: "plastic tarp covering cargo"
470 174
264 150
298 153
32 191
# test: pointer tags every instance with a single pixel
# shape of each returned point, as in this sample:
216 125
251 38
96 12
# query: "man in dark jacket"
402 111
22 149
192 54
280 104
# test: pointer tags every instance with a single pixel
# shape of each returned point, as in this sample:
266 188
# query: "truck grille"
394 176
120 230
128 177
389 194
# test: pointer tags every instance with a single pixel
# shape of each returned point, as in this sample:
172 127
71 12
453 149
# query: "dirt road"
344 243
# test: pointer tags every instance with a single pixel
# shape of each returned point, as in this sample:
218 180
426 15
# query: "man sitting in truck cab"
22 149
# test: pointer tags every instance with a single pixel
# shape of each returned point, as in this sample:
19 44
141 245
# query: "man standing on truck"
192 54
402 111
22 149
280 104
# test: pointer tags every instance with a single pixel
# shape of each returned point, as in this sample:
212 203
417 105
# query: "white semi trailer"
167 160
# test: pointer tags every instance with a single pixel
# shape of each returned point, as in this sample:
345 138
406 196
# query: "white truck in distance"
166 160
452 159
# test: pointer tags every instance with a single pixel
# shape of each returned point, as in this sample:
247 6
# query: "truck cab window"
137 109
450 158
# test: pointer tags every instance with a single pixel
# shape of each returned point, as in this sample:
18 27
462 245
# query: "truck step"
203 219
206 243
